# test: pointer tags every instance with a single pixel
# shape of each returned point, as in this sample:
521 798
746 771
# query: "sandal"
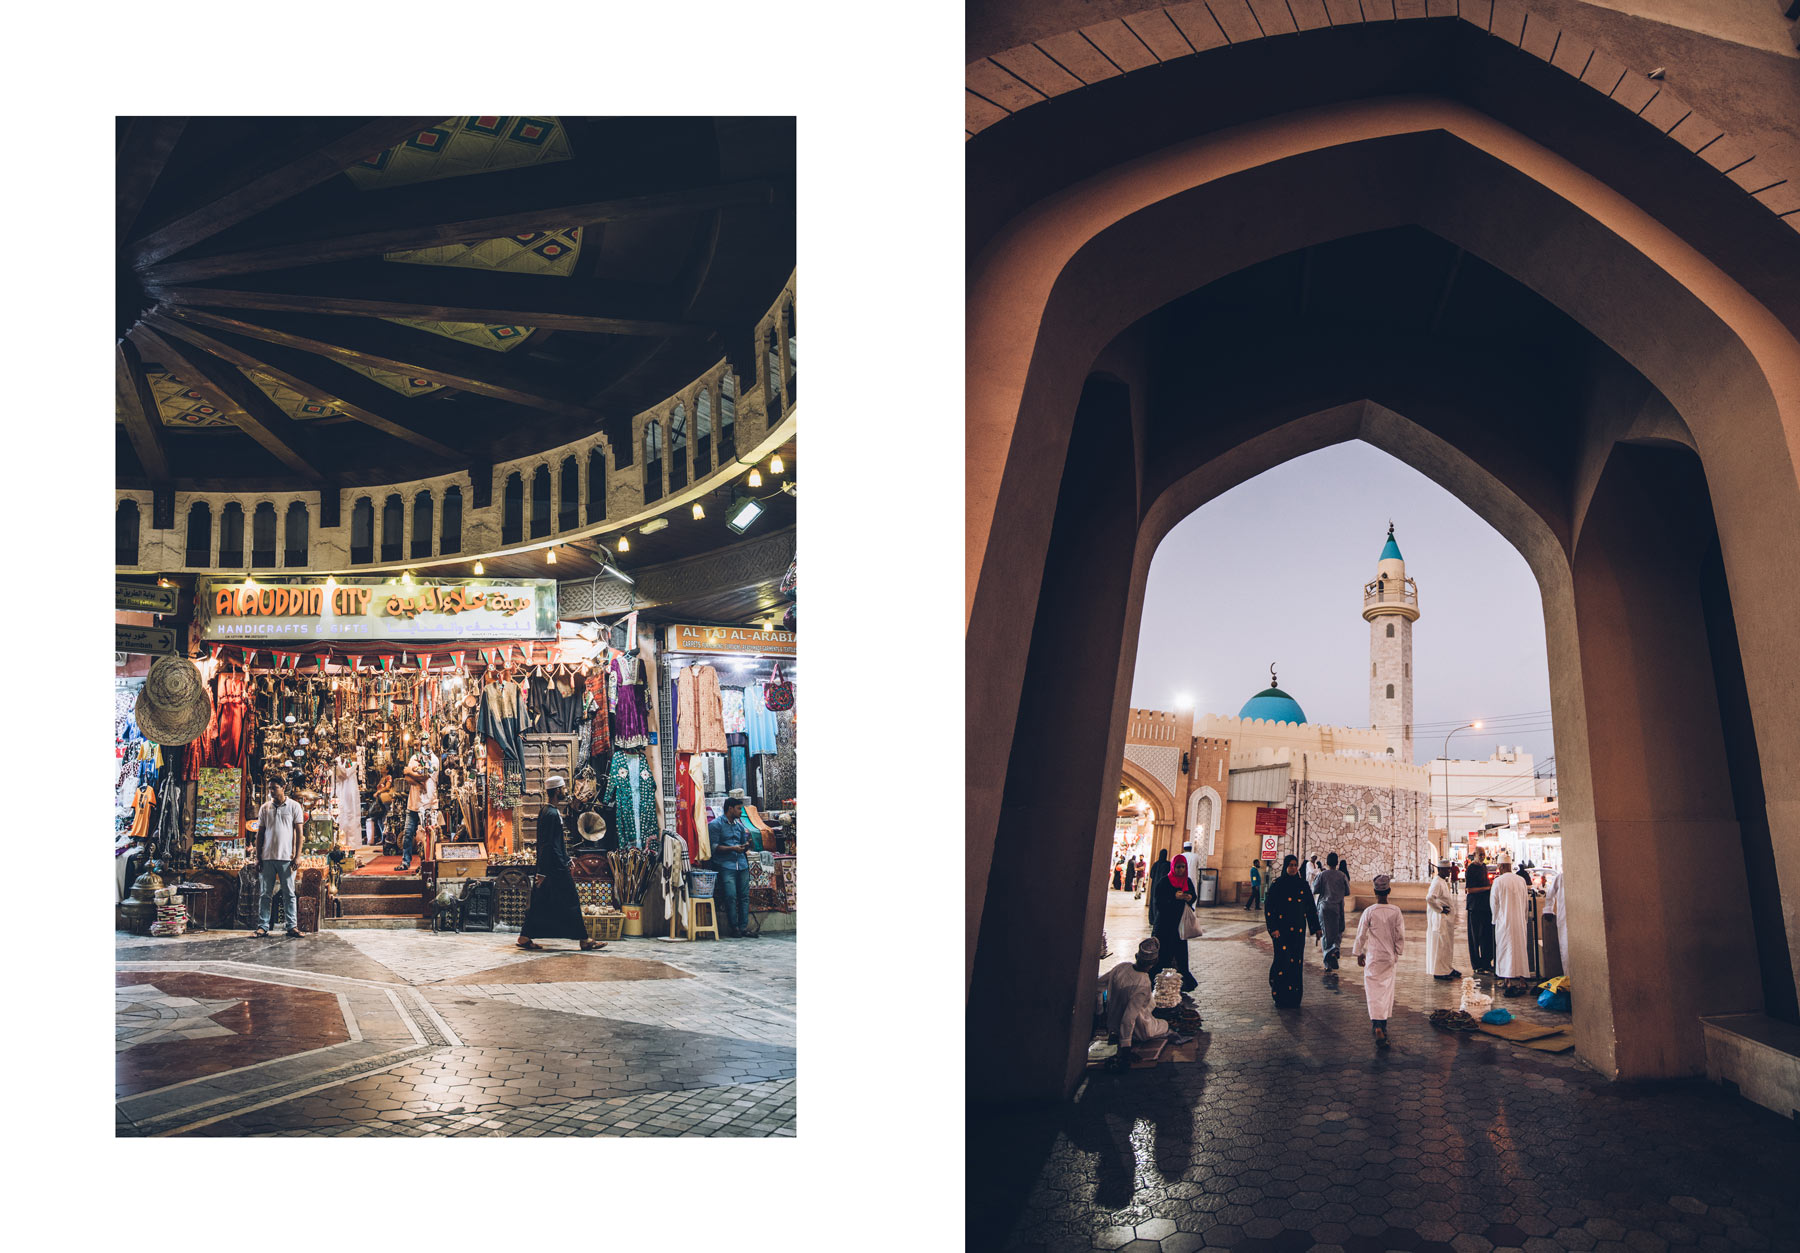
259 934
590 946
536 948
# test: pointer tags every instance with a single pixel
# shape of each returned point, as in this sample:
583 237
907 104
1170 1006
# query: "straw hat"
173 707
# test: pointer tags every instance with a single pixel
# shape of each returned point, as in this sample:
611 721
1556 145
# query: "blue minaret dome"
1390 549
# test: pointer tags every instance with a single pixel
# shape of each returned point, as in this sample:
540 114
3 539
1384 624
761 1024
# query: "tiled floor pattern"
1291 1132
695 1036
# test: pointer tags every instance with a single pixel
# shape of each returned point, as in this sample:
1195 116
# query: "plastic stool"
694 929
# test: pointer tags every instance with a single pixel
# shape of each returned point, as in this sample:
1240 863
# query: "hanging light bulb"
755 479
480 569
624 544
775 464
699 511
407 577
551 560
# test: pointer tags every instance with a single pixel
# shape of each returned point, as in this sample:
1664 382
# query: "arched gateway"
1421 235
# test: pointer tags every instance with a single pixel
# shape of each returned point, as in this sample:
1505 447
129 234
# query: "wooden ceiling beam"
404 349
553 197
353 395
274 179
254 413
144 147
445 293
143 421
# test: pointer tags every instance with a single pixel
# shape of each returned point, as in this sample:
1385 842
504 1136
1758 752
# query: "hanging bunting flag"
459 659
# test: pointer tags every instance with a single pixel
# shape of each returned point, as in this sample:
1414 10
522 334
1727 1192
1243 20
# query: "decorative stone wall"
1393 843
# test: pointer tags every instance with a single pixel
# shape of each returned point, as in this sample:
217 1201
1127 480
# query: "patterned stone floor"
350 1033
1291 1132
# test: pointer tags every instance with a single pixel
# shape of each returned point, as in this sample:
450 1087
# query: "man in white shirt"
1380 939
1440 926
1511 900
278 826
417 779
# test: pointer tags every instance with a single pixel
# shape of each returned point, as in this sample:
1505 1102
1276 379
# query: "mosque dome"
1274 705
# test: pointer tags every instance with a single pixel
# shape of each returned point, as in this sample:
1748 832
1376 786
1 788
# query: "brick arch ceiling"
1008 83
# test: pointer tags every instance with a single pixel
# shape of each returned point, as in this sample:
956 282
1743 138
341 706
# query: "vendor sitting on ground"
1130 997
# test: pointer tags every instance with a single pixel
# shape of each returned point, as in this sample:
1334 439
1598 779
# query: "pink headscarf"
1178 873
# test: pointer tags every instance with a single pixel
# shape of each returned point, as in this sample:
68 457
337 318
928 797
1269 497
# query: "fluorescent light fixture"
744 512
617 573
653 526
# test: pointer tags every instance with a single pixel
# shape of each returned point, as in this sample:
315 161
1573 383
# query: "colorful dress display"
759 722
625 693
631 791
699 713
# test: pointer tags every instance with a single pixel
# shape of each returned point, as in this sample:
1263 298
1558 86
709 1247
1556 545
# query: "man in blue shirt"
731 839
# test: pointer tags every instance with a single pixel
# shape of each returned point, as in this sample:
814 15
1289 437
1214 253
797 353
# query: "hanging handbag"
778 693
1190 923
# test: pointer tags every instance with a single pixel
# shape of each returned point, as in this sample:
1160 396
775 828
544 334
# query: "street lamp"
1475 725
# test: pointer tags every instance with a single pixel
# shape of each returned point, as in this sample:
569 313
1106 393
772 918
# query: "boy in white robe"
1440 926
1511 900
1380 940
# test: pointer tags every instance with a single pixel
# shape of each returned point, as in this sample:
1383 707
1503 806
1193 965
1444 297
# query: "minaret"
1390 607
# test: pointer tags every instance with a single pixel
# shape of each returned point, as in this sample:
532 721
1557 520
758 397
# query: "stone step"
377 922
368 906
378 885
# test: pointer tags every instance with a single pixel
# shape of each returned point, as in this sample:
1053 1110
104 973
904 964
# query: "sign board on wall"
692 638
1271 821
143 598
156 641
353 609
1270 847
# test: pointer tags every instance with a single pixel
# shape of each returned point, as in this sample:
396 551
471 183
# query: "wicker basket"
603 927
700 884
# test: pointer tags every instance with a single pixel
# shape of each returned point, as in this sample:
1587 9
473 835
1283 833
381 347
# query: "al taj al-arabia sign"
351 609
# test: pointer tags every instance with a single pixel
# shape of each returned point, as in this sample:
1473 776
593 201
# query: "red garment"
602 739
684 807
1178 873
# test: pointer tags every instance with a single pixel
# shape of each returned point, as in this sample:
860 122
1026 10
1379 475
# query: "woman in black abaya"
1173 893
555 912
1290 914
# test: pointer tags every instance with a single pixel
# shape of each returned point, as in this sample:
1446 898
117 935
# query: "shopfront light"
699 511
617 573
624 543
551 559
775 464
407 578
480 569
755 479
744 512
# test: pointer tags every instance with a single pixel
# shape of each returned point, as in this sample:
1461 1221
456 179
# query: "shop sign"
376 609
143 598
690 638
156 641
1270 847
1271 821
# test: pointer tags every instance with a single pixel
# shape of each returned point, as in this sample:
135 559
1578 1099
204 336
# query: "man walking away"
1380 939
1440 926
1130 872
1158 872
1511 902
1331 887
1480 918
278 848
1254 900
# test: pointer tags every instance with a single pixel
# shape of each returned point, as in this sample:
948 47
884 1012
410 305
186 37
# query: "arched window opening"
596 500
297 538
702 433
393 527
1371 669
1390 633
678 466
1390 694
450 540
540 502
1374 814
1350 814
422 525
262 535
727 417
125 533
653 446
199 534
512 511
362 532
772 374
569 516
1406 670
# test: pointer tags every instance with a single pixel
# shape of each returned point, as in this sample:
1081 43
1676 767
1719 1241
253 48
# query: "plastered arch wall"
1161 802
1040 313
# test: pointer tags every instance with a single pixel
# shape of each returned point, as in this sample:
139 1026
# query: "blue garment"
733 892
759 723
410 842
270 873
730 838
